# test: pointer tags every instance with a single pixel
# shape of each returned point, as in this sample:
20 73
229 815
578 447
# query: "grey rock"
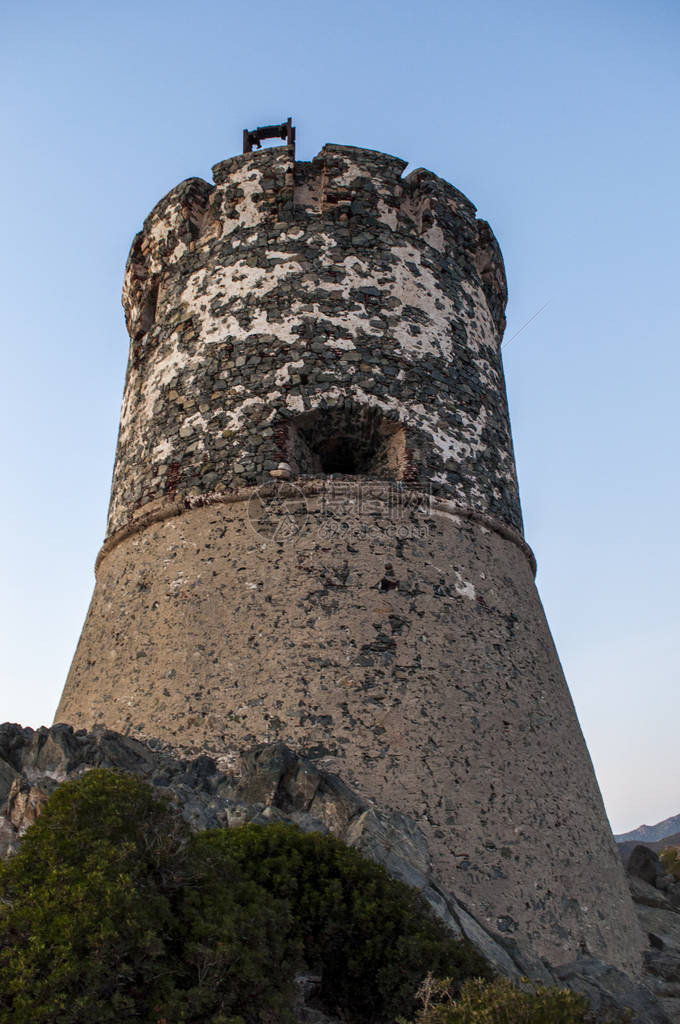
486 944
647 895
9 839
7 776
663 924
269 816
26 801
663 965
444 908
52 753
306 1012
306 823
643 863
610 990
335 804
393 840
263 769
657 904
301 786
111 750
13 739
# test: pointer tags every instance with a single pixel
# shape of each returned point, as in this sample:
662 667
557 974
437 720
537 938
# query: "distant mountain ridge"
651 833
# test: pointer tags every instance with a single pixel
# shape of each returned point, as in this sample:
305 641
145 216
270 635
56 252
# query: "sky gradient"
558 121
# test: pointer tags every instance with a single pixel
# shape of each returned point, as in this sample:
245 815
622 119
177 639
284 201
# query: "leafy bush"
112 910
86 904
501 1002
670 858
103 918
372 939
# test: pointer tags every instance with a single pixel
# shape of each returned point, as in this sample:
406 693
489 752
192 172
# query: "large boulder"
644 863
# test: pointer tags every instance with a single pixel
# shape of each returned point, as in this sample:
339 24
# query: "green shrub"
371 938
86 904
501 1002
103 919
241 933
670 858
112 911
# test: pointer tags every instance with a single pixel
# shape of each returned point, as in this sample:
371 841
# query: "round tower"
315 532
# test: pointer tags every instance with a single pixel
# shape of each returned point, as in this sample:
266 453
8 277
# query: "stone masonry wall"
293 294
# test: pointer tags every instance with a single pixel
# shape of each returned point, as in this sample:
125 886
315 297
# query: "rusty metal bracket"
284 131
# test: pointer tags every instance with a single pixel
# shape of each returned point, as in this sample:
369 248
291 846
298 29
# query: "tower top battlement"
269 188
328 316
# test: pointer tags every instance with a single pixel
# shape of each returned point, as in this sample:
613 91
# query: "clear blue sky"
559 121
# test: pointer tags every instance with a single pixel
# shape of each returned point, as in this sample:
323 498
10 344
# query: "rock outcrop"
657 900
270 783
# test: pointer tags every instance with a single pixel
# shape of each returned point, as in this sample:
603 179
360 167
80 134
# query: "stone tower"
315 531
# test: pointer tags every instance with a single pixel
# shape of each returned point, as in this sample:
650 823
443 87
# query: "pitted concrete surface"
405 650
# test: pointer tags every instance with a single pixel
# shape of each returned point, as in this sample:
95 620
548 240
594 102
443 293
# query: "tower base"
394 639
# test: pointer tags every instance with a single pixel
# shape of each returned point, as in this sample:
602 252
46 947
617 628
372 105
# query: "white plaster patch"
273 254
293 235
327 241
282 375
295 403
162 450
197 422
451 447
387 214
240 280
156 232
248 180
465 588
343 344
422 292
234 284
237 417
481 330
434 237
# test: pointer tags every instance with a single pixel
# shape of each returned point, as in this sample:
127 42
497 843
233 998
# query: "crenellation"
354 286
